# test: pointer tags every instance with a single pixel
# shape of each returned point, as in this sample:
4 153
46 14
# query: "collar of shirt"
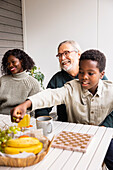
99 90
86 92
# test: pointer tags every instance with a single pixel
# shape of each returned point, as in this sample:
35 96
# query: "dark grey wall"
11 31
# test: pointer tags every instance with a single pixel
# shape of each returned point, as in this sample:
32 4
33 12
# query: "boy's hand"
19 111
17 114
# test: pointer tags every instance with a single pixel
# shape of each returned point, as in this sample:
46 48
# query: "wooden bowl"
23 162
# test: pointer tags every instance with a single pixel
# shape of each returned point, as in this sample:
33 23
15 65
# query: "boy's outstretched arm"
19 111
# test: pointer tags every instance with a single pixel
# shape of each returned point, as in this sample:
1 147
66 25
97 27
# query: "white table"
59 159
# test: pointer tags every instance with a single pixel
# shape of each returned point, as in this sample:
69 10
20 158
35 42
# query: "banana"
22 142
34 149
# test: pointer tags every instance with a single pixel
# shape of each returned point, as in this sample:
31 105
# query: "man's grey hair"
74 44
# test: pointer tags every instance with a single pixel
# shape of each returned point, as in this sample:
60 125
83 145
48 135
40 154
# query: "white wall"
48 22
105 33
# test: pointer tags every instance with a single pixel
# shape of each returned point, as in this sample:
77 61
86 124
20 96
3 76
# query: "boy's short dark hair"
95 55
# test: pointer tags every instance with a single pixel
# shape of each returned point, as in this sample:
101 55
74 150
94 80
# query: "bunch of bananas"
27 144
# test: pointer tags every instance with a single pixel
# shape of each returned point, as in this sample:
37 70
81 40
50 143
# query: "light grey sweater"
14 89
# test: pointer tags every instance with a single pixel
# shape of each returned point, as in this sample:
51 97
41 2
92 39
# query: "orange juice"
25 121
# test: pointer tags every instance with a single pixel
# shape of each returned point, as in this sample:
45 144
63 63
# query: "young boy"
86 99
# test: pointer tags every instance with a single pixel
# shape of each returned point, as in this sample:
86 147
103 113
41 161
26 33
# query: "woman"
15 84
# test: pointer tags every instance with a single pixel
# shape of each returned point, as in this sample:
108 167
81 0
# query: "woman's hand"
19 111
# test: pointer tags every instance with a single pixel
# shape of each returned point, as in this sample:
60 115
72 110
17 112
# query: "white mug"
46 123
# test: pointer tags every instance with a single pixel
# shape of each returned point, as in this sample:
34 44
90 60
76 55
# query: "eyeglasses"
65 53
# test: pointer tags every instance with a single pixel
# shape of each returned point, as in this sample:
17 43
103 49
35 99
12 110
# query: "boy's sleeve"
48 98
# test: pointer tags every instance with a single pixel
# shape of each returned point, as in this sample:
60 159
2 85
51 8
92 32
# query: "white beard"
65 68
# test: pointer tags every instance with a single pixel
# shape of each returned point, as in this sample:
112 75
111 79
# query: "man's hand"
19 111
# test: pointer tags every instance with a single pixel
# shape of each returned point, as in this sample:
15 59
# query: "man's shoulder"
59 74
104 78
57 80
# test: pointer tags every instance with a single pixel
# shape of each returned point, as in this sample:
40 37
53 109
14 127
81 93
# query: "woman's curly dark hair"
27 61
95 55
